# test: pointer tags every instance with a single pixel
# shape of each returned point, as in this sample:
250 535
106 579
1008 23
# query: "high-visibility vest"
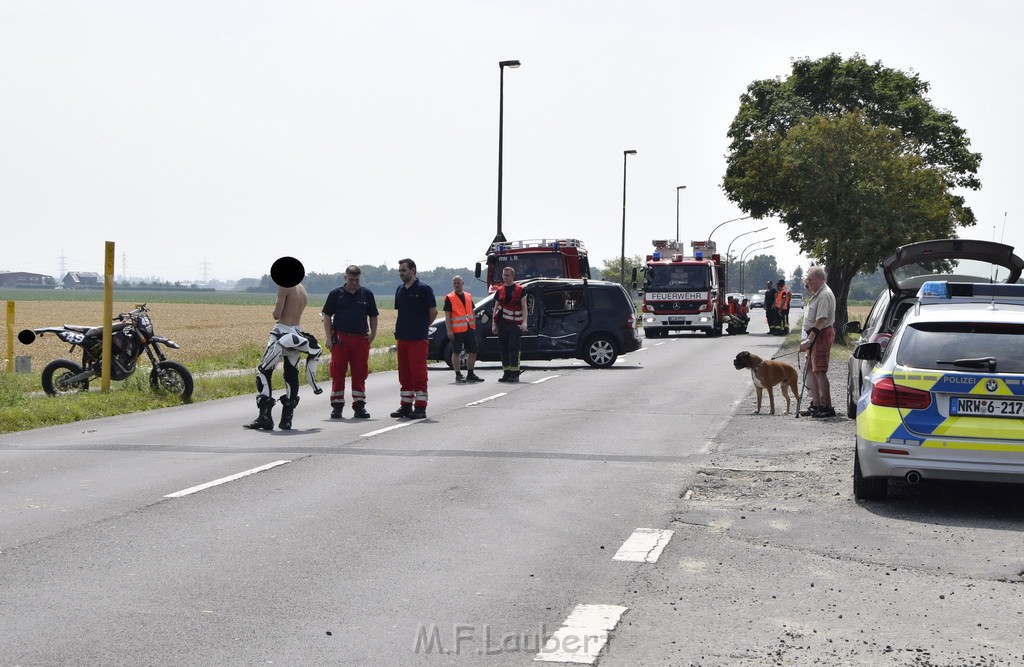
462 312
782 299
510 306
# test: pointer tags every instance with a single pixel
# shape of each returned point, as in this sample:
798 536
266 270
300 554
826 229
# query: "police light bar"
944 291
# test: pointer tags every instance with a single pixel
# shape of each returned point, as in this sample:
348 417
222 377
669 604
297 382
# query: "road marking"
644 545
550 377
389 428
484 400
224 480
582 635
661 343
642 349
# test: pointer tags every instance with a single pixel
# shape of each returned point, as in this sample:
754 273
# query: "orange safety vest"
510 305
462 312
782 299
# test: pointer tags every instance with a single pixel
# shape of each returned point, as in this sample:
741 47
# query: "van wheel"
600 352
851 401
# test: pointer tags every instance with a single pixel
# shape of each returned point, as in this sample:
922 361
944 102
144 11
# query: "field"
204 330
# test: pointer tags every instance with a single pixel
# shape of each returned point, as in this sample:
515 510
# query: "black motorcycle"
132 336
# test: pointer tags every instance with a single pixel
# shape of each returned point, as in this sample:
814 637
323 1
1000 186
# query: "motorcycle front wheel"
55 377
172 377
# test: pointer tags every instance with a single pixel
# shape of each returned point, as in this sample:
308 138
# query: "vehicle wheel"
851 400
55 378
172 377
600 352
446 354
715 330
867 488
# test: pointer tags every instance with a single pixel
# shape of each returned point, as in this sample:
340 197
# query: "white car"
796 301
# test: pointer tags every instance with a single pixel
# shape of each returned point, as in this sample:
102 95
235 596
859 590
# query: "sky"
208 138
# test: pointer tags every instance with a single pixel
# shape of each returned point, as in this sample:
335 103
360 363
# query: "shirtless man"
287 340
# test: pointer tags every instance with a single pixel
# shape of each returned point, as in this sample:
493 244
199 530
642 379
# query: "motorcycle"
132 336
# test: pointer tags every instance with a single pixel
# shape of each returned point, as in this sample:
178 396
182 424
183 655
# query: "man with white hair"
819 318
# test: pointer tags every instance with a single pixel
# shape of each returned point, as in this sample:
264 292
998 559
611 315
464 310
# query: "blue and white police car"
946 400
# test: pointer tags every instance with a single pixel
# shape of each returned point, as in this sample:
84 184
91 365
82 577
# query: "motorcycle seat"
77 327
98 331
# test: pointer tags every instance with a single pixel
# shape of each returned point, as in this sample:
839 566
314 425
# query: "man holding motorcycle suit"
287 341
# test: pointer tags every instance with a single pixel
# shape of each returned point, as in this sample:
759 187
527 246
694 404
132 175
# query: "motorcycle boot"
265 421
360 408
287 408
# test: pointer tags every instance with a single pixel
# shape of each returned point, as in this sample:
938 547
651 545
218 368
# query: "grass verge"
24 407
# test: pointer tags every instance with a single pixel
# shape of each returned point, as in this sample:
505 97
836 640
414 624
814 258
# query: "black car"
909 267
567 318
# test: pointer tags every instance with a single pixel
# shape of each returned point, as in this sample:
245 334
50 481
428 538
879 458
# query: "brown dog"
767 374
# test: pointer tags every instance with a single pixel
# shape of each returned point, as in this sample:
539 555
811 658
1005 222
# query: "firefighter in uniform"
460 320
783 297
350 324
417 308
509 323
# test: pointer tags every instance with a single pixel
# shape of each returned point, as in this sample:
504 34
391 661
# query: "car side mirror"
852 328
868 352
478 271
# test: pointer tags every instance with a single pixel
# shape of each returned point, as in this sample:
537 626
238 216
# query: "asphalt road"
473 536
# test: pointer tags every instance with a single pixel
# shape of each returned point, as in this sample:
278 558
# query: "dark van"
592 320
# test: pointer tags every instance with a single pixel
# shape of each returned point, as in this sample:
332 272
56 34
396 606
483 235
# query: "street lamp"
622 260
728 254
499 237
678 188
746 217
743 266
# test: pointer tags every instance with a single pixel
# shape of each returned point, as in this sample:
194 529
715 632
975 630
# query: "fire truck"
534 258
684 293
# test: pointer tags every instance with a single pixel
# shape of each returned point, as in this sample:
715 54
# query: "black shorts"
464 339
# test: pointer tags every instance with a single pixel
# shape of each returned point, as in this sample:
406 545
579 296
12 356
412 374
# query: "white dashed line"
484 400
661 343
223 480
550 377
642 349
582 635
385 430
644 545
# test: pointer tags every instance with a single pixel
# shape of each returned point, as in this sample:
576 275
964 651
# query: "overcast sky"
207 138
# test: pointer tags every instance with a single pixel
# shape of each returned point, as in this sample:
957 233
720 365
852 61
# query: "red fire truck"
685 293
534 258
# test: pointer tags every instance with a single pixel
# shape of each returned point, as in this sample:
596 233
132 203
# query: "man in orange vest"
461 322
509 323
782 300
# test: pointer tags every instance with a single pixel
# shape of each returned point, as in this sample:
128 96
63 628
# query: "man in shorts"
461 322
819 318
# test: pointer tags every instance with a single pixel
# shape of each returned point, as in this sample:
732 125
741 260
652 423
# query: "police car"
946 400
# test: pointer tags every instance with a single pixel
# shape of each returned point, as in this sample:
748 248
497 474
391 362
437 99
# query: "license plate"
676 320
986 407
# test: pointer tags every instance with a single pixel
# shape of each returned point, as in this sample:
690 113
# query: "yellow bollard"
108 315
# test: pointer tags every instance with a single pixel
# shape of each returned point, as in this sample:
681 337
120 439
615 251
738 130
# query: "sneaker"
809 411
824 413
336 411
460 379
418 413
473 377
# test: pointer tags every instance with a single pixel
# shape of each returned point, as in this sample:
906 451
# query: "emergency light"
698 254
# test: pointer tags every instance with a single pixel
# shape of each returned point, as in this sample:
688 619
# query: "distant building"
25 279
81 280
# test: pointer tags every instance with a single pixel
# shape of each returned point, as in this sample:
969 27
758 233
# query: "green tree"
610 269
854 159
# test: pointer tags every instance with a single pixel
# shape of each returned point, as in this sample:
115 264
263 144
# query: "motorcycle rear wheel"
54 378
172 377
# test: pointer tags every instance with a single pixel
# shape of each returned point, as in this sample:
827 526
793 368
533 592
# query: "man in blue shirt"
350 325
417 309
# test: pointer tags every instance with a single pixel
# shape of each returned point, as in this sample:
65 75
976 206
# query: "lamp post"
678 188
746 217
622 259
743 266
728 255
499 237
